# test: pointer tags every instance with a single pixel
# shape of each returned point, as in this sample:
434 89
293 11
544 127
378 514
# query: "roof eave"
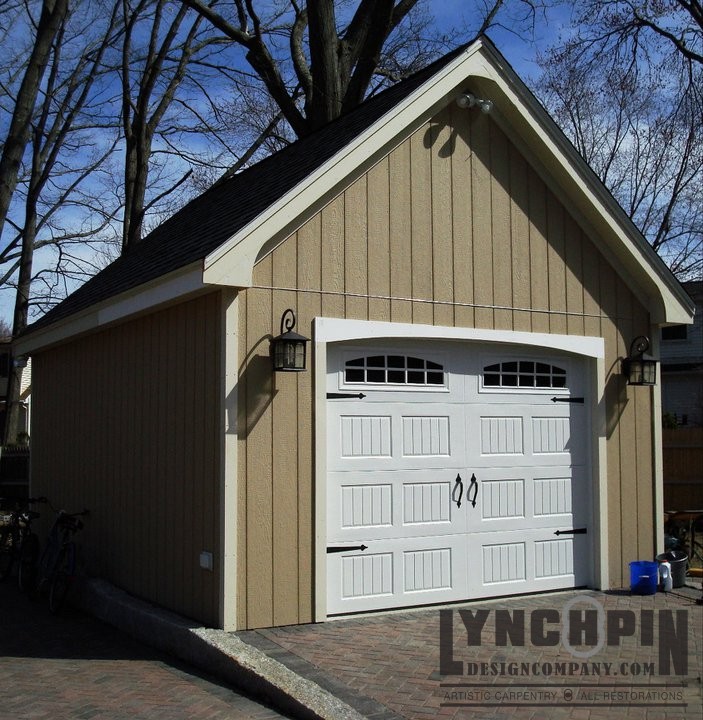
174 287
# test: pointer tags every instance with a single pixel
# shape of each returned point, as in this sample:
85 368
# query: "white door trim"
331 330
337 330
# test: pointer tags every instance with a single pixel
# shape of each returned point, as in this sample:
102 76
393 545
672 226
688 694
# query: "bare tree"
633 29
50 20
61 127
5 331
630 99
160 65
331 51
308 65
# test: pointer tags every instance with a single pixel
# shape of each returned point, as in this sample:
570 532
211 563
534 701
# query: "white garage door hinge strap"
568 400
343 396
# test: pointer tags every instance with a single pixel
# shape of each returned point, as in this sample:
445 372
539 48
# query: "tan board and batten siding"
453 228
139 405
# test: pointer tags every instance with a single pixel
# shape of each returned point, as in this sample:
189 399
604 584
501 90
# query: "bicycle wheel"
29 558
8 547
61 579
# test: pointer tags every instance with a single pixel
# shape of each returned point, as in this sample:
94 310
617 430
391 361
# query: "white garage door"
455 471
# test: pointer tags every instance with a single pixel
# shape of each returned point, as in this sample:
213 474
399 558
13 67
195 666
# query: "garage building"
463 428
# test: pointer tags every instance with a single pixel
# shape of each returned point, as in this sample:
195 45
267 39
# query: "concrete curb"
219 653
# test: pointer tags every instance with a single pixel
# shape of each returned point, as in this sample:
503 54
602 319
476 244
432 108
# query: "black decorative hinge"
577 531
345 548
568 399
340 396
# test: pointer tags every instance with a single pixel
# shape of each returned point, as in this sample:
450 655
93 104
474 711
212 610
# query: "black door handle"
458 485
472 485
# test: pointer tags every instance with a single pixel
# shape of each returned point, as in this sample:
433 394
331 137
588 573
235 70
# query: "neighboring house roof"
218 236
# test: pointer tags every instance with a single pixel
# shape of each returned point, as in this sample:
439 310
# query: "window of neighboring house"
393 370
675 332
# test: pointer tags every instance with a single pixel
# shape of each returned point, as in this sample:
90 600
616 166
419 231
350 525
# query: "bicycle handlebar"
70 520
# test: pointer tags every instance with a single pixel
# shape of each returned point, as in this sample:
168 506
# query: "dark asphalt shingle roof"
210 219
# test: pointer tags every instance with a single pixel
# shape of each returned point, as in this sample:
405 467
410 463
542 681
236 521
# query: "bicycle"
18 544
57 565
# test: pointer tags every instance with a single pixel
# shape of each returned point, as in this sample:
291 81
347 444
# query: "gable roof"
221 233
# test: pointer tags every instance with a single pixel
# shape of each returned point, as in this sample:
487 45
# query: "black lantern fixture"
288 349
638 368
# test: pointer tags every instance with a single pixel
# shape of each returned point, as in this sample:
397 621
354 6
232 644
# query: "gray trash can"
678 561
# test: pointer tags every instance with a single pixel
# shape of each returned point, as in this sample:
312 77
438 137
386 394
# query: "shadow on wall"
255 388
617 399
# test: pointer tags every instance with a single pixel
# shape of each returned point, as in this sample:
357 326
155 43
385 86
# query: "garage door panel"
366 506
463 490
396 436
397 573
511 499
365 436
526 561
512 434
560 496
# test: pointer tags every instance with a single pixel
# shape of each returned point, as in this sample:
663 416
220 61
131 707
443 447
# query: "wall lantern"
638 368
288 349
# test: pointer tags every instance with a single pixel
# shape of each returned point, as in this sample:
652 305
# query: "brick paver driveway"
623 656
73 666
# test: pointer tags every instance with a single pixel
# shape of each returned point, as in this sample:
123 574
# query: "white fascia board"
636 251
330 330
233 262
165 290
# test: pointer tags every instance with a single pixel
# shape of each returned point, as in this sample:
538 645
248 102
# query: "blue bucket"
644 576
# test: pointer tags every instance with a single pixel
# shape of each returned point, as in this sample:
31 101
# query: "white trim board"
330 330
335 330
175 287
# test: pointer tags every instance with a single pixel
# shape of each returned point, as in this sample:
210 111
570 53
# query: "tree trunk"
24 282
326 101
52 15
136 173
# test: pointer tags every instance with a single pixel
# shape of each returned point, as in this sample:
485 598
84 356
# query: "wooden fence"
683 468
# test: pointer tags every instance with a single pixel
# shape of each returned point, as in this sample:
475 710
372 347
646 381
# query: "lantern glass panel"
289 355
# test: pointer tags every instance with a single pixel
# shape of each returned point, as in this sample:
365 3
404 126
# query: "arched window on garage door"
524 374
393 370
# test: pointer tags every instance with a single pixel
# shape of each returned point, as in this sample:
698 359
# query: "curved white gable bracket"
233 262
330 330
